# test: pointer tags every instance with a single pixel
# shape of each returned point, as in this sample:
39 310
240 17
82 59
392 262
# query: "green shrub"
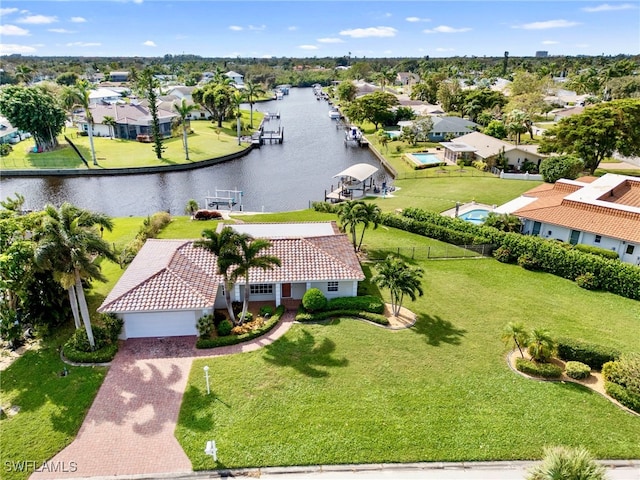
314 300
267 311
625 372
5 149
224 328
577 370
567 463
366 303
623 395
587 281
235 339
603 252
101 355
545 370
80 341
218 317
205 325
595 356
320 316
113 325
248 316
528 262
503 254
325 207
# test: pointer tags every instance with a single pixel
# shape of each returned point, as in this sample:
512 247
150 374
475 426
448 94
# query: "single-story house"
10 134
118 76
171 283
478 146
237 78
407 78
131 121
104 95
602 212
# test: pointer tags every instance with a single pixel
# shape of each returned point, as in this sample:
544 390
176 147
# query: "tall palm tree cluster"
539 341
355 213
69 243
236 255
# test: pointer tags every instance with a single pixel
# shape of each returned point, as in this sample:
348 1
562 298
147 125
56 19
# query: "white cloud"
257 28
37 19
330 40
149 43
550 42
292 28
83 44
60 30
78 19
447 29
308 47
11 48
605 7
13 30
7 11
546 25
235 28
370 32
417 19
442 49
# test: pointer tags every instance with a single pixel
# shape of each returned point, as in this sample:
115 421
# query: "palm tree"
69 244
252 92
401 279
348 219
224 246
79 96
518 122
516 333
356 212
237 100
251 255
184 109
24 74
541 345
111 123
504 222
368 214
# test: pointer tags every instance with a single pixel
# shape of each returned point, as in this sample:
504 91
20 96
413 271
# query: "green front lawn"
350 392
205 143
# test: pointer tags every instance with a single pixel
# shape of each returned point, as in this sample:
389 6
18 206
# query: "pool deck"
467 207
438 152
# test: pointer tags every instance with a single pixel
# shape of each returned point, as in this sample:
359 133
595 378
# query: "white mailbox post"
206 377
212 450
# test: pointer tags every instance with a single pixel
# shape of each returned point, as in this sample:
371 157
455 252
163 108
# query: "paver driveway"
129 428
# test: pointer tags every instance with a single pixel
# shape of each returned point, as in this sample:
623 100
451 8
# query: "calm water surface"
273 178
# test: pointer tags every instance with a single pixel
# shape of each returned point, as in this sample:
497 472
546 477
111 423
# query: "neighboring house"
237 78
171 283
132 120
118 76
478 146
407 78
10 134
603 212
175 96
566 112
447 127
104 95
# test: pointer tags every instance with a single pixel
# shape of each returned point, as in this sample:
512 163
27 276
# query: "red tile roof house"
171 283
603 212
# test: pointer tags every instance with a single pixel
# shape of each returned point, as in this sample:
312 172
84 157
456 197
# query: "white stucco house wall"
602 212
171 283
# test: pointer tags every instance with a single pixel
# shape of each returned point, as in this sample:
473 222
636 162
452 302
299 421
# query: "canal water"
273 178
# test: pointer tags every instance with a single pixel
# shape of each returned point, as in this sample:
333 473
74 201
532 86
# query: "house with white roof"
171 283
602 212
237 78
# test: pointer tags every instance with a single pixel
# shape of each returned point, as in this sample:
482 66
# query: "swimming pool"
424 158
477 216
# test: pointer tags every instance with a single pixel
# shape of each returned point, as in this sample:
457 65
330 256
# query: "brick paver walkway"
129 429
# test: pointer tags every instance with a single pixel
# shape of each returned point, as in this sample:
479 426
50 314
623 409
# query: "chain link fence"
434 252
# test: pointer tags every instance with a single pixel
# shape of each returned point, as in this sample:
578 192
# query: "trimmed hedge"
545 370
577 370
624 396
366 303
551 256
235 339
319 316
595 356
603 252
102 355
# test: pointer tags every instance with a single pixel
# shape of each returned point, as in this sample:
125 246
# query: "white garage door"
168 324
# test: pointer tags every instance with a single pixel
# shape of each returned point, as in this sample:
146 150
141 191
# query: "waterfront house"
171 283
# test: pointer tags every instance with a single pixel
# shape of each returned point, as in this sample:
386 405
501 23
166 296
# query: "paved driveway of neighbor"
129 429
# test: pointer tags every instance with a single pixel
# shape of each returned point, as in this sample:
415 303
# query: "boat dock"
269 131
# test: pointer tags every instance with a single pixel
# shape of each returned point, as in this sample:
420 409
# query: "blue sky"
212 28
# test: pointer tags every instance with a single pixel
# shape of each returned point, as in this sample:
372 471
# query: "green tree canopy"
347 91
401 279
217 99
374 107
597 132
554 168
33 110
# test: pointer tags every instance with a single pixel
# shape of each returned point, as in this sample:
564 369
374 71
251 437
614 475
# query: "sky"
301 28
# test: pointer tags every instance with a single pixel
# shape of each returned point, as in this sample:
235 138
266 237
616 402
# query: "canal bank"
276 177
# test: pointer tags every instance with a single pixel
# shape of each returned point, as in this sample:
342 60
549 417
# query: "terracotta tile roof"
607 207
175 275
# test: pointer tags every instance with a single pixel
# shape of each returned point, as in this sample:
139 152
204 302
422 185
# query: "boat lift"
224 198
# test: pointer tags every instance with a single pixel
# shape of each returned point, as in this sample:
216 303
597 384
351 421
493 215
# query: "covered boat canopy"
359 172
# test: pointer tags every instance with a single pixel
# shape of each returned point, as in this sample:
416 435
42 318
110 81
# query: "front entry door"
286 290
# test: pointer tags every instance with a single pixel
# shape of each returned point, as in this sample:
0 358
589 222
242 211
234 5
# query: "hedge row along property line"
532 252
